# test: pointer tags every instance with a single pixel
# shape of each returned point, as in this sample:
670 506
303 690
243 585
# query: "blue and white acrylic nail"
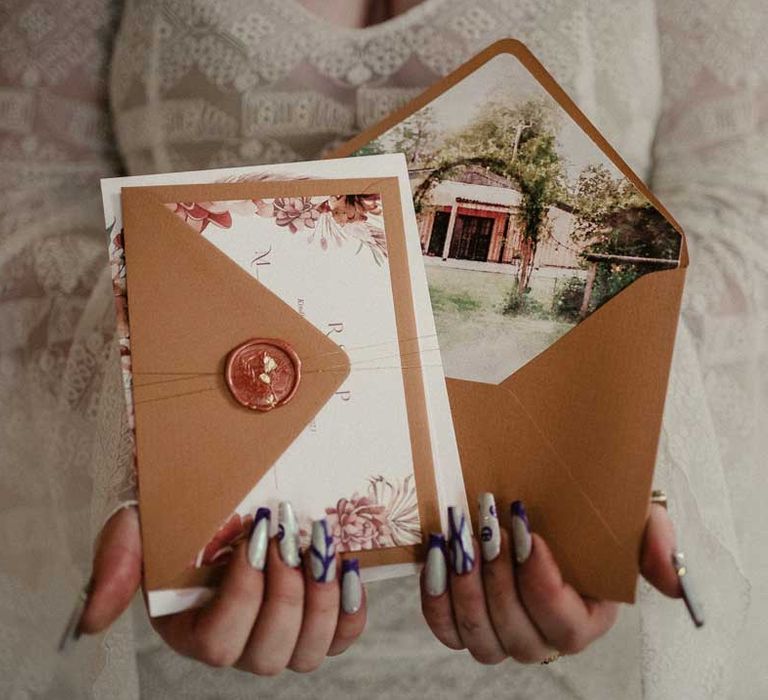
436 569
322 552
288 534
490 535
521 532
462 550
259 540
351 586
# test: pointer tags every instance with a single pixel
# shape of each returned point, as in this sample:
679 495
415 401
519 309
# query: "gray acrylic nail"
72 631
288 534
351 586
490 536
259 540
692 602
462 551
436 569
521 532
322 552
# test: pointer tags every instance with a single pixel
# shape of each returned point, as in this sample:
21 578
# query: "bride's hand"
511 600
260 621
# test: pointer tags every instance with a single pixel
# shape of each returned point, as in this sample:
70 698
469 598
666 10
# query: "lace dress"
199 83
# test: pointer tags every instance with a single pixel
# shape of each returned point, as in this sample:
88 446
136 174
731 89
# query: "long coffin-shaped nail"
288 534
490 537
521 532
257 545
322 552
351 586
72 630
692 602
462 551
436 570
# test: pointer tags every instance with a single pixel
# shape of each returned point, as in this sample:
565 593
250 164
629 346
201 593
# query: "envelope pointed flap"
503 451
199 452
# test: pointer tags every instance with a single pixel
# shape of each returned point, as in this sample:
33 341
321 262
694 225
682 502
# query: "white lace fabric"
199 83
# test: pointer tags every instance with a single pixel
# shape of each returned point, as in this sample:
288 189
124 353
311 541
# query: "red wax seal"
263 374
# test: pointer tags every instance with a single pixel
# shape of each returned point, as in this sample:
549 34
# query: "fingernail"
72 630
490 537
692 602
462 551
288 534
436 571
257 545
322 552
521 532
351 586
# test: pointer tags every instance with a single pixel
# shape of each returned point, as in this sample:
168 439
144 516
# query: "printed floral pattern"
387 516
199 214
328 219
219 550
117 262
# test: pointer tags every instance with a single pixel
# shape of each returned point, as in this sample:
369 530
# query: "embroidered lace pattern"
199 83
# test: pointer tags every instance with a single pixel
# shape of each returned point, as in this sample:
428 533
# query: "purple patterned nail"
351 586
259 539
521 532
436 569
462 550
322 552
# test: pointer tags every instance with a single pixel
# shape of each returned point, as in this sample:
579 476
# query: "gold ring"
660 497
551 659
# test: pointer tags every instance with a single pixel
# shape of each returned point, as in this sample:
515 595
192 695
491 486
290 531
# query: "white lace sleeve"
710 170
59 474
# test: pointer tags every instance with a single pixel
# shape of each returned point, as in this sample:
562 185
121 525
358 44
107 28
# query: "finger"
567 621
656 556
217 633
274 635
116 572
321 610
467 594
435 597
354 610
517 634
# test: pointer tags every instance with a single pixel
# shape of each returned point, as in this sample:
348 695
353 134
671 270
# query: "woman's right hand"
266 615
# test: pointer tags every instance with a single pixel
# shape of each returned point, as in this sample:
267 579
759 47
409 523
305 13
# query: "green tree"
372 148
416 138
613 218
517 141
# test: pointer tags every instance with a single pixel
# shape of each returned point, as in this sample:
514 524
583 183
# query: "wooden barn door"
471 238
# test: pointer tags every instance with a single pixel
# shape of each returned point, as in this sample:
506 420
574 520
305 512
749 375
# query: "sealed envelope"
278 344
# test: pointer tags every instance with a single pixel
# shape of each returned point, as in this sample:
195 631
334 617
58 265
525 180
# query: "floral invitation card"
278 344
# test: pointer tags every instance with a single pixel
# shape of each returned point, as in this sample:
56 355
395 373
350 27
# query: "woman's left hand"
507 598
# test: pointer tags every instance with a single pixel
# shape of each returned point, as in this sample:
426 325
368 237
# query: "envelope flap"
199 452
578 430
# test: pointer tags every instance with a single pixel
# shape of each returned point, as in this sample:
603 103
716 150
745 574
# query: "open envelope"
573 432
198 450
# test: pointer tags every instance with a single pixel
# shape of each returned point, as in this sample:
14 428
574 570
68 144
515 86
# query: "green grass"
477 339
447 301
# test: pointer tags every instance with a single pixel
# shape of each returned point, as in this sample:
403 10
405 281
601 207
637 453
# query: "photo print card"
278 345
555 278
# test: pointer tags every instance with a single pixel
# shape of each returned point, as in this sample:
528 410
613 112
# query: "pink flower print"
296 213
265 207
219 550
359 523
199 214
354 207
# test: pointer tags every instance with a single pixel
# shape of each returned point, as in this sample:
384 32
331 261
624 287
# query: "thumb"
116 572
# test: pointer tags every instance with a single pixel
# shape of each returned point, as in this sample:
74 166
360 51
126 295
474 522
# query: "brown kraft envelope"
198 451
574 432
